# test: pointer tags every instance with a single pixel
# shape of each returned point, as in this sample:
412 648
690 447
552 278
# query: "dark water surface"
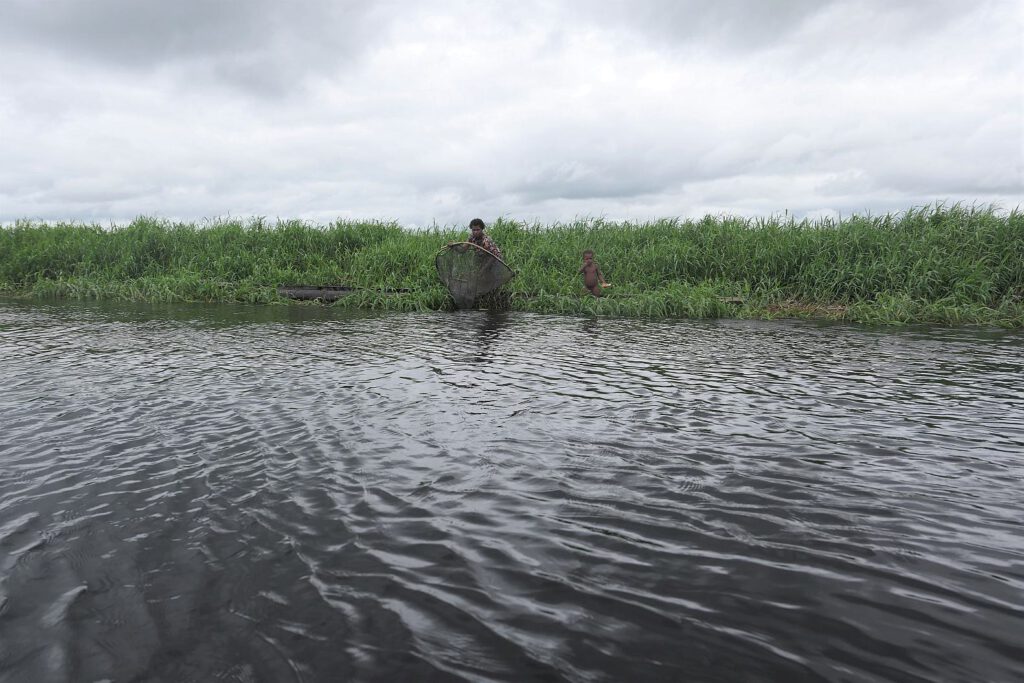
201 493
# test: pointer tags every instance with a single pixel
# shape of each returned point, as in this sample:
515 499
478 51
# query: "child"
592 276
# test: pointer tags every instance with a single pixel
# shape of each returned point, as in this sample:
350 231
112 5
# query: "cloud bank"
434 112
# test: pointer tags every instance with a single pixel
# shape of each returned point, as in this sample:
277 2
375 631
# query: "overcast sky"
423 111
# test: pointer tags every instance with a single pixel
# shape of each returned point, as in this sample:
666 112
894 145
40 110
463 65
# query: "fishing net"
469 271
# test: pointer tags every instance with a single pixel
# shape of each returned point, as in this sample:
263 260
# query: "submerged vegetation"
947 265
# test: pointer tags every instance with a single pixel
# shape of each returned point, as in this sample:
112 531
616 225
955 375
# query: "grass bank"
946 265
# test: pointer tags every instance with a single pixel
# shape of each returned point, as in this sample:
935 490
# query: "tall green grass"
940 264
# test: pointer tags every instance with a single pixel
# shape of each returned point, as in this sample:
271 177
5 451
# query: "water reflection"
590 326
290 493
489 326
213 315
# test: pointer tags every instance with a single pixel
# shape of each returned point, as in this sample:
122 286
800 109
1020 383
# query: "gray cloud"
420 112
732 23
254 45
577 180
741 26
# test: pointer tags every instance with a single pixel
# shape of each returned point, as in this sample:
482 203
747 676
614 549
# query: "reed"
940 264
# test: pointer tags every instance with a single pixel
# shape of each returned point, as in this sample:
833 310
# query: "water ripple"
205 493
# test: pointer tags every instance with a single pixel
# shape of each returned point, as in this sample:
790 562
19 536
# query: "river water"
228 493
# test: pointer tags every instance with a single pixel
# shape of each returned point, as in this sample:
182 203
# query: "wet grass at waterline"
946 265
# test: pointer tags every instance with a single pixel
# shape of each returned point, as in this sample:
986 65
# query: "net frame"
470 271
